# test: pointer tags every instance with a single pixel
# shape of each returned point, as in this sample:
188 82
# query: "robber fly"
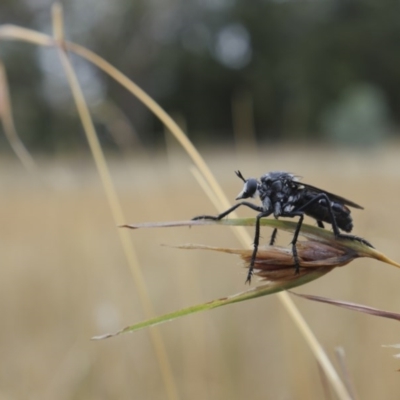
283 195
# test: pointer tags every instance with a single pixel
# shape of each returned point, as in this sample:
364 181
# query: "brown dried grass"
63 279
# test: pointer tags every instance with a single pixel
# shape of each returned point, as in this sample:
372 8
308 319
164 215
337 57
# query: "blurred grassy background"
64 279
310 89
303 70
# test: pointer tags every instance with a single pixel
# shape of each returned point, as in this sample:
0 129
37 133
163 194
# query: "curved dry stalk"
352 306
114 202
9 125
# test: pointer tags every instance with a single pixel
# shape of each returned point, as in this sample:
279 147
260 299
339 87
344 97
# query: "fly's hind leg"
353 237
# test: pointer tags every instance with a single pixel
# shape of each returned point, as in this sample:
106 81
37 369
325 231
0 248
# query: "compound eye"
249 189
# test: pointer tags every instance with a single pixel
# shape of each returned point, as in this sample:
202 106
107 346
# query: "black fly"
283 195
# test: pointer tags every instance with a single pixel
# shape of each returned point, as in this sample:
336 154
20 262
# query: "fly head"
250 188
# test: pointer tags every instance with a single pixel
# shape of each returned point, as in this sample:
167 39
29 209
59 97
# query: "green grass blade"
258 291
310 232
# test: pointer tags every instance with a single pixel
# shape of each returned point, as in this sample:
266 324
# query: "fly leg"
261 214
320 224
228 211
295 237
354 237
273 237
255 244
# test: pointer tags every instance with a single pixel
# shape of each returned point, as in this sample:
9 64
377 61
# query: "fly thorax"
266 203
277 186
288 208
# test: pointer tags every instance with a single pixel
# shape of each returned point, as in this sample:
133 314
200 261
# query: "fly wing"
332 196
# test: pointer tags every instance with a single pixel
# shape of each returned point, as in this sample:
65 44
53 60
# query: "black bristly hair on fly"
283 195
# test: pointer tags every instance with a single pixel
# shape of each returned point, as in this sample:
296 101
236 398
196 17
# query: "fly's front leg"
228 211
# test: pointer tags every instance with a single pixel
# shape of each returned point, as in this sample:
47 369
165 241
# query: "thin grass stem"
115 206
9 125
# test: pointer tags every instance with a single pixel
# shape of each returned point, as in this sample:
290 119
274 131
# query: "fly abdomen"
320 211
344 222
342 216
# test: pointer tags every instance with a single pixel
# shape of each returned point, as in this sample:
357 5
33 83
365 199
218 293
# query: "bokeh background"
304 86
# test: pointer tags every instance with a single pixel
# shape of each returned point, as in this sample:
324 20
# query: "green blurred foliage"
359 118
295 59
